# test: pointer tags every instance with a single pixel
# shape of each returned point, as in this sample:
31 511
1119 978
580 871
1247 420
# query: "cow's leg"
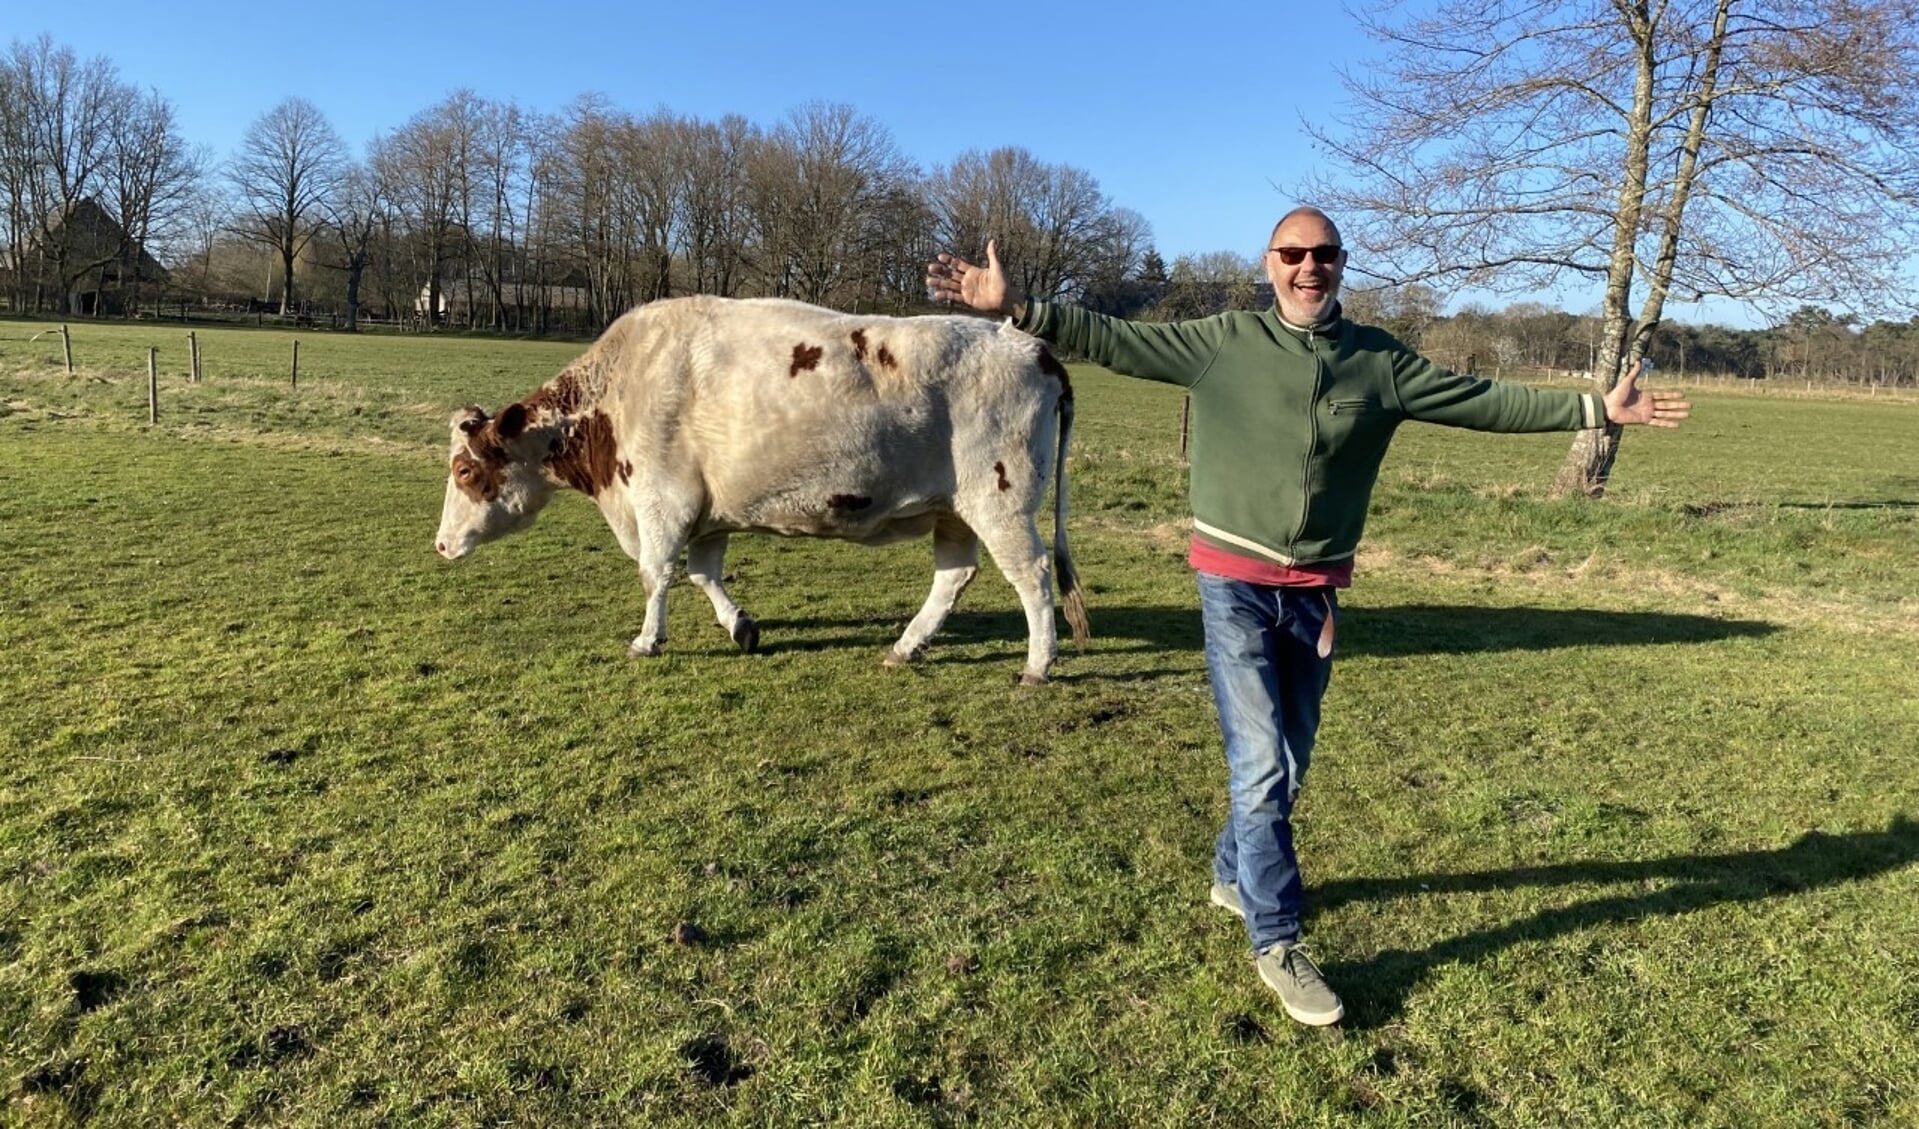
955 563
705 564
1014 542
658 550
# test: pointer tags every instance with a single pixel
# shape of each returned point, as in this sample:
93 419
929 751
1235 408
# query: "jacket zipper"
1312 446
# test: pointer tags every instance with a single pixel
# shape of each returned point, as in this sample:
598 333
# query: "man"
1292 411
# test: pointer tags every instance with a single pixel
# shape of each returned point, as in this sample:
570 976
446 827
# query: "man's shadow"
1376 989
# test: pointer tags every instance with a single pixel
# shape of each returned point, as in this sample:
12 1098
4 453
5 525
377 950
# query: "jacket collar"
1323 328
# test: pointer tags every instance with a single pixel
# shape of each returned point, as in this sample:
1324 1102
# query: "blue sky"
1188 113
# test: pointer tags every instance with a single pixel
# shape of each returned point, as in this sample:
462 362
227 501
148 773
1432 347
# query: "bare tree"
205 215
1208 283
587 216
1054 227
1114 279
426 167
289 163
653 180
154 177
56 154
715 222
496 227
812 182
545 253
897 236
1758 151
356 212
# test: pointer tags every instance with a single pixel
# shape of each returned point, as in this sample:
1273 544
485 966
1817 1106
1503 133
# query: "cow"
694 418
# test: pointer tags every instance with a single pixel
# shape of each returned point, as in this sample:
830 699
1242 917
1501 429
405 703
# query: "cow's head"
495 483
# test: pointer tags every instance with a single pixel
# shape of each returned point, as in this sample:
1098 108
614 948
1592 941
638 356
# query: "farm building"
83 263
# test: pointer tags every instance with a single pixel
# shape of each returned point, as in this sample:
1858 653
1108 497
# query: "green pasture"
1612 822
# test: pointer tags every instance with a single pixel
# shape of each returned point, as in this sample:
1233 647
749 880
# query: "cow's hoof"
746 634
639 650
894 658
1028 678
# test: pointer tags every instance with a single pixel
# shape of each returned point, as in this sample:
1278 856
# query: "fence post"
66 344
296 364
153 384
193 358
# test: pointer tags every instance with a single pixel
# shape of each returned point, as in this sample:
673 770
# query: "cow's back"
785 407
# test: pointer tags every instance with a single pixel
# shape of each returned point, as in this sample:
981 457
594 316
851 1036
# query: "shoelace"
1303 969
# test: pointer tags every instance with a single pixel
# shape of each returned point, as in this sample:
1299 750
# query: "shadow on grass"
1713 509
1376 989
1380 632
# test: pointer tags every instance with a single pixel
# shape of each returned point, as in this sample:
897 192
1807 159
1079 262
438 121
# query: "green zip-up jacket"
1289 426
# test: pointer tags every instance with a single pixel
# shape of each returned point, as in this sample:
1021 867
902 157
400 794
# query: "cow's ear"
470 419
512 421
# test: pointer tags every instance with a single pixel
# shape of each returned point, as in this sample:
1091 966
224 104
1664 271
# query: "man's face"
1306 290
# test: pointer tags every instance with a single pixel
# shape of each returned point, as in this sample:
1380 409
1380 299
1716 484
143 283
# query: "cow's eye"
463 473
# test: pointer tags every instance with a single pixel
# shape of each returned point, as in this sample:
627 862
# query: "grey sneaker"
1226 896
1289 971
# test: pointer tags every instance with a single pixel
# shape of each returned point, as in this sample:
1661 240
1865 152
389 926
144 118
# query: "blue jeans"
1268 680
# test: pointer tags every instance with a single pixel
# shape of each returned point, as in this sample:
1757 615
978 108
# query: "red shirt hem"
1206 557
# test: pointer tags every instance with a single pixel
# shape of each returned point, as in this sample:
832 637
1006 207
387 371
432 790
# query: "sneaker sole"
1224 901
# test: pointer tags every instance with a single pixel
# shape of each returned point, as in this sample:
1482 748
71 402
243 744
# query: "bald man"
1293 408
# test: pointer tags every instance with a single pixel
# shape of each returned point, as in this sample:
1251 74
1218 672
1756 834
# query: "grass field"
1612 820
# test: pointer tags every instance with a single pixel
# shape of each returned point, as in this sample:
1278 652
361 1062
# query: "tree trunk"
1588 464
354 270
286 289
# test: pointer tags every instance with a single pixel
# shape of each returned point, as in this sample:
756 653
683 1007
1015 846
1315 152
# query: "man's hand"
950 278
1627 404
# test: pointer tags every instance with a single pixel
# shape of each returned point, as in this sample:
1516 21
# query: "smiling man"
1293 408
1305 262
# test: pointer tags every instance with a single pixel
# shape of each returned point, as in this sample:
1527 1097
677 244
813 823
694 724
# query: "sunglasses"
1326 254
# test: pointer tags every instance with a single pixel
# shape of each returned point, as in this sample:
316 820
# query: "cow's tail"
1073 596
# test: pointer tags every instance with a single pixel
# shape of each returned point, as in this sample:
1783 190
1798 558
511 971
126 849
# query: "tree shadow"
1446 629
1711 509
1376 989
1888 504
1390 631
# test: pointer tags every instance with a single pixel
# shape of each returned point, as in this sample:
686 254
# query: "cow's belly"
846 522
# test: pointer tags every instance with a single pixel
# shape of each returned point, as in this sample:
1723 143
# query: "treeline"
1809 344
479 213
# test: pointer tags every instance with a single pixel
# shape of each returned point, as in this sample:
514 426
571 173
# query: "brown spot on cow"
589 457
885 358
1000 468
559 396
805 357
1049 364
480 476
859 344
848 503
480 471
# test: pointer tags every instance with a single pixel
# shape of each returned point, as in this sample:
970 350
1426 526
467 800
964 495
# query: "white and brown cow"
694 418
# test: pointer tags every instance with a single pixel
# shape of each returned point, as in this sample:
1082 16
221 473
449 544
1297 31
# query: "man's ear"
512 421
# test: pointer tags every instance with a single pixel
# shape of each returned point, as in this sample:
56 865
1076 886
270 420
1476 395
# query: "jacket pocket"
1351 406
